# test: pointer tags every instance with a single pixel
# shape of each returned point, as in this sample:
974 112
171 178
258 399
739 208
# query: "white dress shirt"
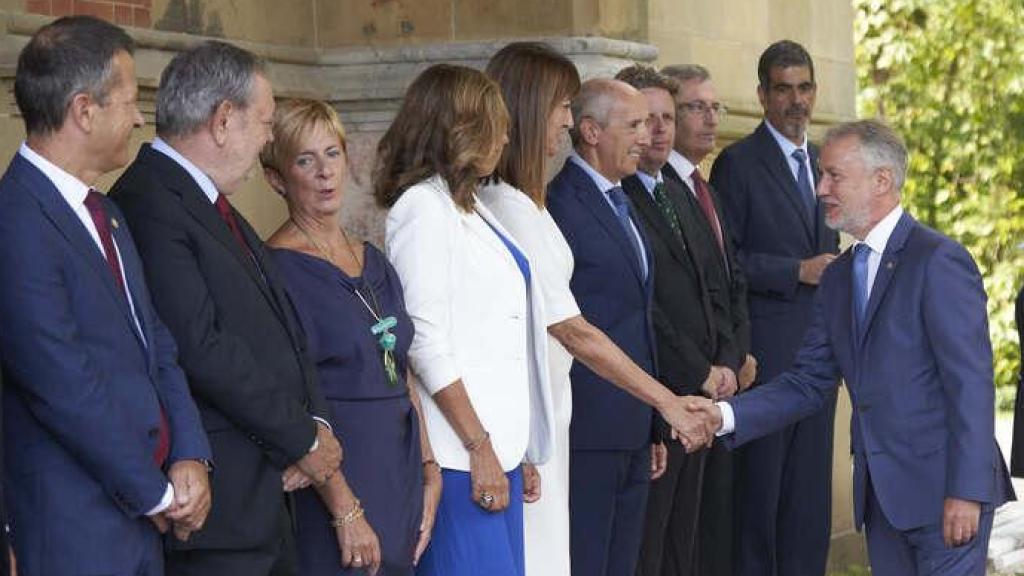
682 165
876 240
787 150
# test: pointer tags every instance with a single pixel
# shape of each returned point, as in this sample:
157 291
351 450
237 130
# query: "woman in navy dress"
376 515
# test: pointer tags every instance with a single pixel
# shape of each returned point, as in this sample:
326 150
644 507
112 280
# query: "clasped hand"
694 421
192 500
316 467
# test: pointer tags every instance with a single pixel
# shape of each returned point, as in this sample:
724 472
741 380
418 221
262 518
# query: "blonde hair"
294 120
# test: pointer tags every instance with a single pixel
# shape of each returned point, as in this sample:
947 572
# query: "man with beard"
766 182
901 316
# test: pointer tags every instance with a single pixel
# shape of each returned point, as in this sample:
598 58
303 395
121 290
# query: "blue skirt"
468 540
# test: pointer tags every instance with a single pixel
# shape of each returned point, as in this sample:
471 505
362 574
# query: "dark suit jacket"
83 390
772 232
919 374
241 347
726 279
613 296
684 324
1017 450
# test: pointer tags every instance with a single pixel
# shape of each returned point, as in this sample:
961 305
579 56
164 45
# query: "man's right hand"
812 268
683 414
322 463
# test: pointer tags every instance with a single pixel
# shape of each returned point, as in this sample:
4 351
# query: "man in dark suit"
901 316
1017 445
610 436
104 446
241 346
699 112
684 323
766 182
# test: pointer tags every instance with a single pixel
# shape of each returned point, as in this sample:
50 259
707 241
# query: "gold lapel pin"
113 222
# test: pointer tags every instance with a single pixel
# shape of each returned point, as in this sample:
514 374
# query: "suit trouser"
673 508
715 529
921 551
784 499
275 559
607 503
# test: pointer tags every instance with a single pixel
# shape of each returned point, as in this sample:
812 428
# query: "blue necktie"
803 182
621 203
861 252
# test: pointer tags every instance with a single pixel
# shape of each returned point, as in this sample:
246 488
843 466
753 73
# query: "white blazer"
475 319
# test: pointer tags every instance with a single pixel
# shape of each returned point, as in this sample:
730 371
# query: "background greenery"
949 76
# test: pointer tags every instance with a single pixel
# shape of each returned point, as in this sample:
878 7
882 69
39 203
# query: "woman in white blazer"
480 350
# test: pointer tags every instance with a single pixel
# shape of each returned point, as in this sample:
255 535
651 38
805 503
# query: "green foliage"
949 76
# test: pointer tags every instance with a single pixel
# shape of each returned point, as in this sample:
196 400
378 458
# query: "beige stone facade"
360 56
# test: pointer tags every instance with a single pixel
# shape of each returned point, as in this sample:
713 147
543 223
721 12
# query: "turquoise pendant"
387 342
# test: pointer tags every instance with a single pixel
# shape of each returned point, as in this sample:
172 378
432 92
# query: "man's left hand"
659 460
191 497
960 521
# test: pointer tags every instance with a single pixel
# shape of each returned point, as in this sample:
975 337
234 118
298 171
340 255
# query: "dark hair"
68 56
639 76
683 73
534 79
198 80
782 54
450 119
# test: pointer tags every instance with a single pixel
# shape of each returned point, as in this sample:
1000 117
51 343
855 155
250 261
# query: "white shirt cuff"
316 440
165 502
728 419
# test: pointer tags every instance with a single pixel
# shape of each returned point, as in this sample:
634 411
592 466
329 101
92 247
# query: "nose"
644 135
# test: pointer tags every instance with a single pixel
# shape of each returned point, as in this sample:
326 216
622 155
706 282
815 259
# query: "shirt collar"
649 181
681 164
204 182
72 189
602 183
787 146
878 237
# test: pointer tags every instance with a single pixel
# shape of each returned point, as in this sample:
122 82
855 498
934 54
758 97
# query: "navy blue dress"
375 421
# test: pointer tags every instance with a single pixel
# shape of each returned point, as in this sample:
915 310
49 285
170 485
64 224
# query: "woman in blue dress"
376 515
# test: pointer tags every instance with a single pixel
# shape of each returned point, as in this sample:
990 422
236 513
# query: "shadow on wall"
190 16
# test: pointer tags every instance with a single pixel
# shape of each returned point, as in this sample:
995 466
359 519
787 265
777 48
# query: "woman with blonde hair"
376 515
479 351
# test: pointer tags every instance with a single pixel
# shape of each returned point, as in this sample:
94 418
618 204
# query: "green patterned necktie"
667 210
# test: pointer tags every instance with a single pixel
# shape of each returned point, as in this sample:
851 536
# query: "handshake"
694 421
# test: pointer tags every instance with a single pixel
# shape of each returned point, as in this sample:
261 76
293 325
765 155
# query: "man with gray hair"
104 445
901 317
241 345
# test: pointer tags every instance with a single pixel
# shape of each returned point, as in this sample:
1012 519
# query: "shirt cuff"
728 419
316 440
165 502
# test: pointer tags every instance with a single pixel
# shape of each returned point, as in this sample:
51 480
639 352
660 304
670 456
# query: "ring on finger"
486 500
357 559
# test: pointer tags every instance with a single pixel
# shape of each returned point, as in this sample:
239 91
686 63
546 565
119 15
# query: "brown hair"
294 120
450 120
639 76
534 79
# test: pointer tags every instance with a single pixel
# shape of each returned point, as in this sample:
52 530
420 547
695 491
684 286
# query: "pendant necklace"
382 329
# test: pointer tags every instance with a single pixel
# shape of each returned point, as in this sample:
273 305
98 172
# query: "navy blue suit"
919 373
783 481
82 391
609 465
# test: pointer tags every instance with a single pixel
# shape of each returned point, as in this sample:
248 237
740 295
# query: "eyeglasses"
701 108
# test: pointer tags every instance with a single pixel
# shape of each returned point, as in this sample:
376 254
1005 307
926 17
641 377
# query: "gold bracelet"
476 443
354 514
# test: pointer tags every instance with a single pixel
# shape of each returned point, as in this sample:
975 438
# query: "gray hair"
596 99
69 56
198 80
880 147
682 73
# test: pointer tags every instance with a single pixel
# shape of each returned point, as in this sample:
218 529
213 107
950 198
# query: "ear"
82 111
590 130
274 179
884 181
221 120
761 95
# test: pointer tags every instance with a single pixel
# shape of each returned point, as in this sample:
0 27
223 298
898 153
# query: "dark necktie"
224 209
94 203
621 203
667 210
861 253
803 182
707 205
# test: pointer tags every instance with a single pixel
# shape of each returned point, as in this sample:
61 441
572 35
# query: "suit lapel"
646 206
590 196
67 222
778 167
887 267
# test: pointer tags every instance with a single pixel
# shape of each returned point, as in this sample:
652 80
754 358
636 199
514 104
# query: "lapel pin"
113 222
889 265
